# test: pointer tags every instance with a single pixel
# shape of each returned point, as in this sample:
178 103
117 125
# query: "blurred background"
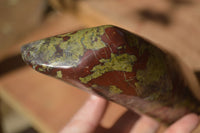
33 103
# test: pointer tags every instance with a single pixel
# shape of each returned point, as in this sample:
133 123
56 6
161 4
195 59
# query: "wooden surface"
50 103
17 20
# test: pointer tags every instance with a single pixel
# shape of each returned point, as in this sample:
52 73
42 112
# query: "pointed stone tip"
66 50
30 52
24 53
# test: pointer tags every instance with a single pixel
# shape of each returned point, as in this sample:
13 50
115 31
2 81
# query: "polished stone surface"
118 65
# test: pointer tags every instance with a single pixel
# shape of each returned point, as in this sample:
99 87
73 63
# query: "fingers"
185 125
125 123
145 125
88 117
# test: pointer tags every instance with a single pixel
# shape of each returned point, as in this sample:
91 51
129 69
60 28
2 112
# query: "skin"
87 120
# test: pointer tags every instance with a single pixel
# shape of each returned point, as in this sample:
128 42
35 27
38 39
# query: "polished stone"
119 66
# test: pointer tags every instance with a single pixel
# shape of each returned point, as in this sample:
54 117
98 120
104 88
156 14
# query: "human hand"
87 120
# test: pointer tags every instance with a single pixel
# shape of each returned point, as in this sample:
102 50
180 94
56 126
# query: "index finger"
88 117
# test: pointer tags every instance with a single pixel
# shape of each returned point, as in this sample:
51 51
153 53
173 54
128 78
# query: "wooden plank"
173 26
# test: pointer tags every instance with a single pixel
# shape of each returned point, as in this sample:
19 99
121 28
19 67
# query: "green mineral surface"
114 90
123 62
59 74
156 69
46 50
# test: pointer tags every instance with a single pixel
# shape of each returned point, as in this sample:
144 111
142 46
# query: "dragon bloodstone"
119 66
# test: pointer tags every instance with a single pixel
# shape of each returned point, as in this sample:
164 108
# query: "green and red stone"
118 65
